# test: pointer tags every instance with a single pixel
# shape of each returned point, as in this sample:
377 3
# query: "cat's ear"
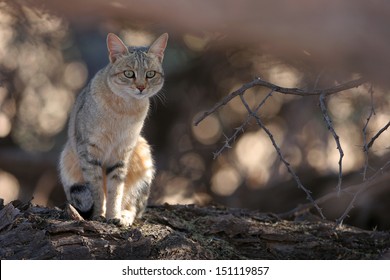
158 46
115 47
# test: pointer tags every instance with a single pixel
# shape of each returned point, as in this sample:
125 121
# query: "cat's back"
90 103
85 117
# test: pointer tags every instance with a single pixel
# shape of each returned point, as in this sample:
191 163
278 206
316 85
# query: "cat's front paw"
125 220
121 222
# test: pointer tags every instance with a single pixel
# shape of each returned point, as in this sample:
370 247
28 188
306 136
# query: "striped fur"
106 167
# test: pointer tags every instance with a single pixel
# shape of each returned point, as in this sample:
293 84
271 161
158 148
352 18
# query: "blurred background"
50 49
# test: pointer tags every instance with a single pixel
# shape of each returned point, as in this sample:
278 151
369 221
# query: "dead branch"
351 204
329 124
383 129
365 145
240 129
279 152
355 189
322 93
182 232
283 90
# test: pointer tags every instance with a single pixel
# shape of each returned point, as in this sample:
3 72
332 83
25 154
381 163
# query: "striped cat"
106 167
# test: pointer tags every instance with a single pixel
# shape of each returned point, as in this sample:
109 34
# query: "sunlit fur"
106 167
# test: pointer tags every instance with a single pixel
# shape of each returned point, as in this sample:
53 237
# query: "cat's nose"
141 87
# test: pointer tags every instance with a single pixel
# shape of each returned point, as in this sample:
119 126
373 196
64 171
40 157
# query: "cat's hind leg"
77 191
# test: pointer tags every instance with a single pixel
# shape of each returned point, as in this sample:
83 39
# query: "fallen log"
182 232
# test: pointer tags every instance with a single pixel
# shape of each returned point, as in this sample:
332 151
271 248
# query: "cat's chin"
140 96
128 96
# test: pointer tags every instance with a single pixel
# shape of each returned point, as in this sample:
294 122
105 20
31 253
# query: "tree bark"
182 232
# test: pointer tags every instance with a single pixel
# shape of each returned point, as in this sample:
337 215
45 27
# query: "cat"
106 167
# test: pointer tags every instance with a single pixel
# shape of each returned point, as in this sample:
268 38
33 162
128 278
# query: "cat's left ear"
115 47
158 46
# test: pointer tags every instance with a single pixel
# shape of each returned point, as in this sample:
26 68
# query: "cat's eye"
150 74
129 74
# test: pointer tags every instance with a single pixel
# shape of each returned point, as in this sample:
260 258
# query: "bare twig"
231 139
279 152
378 177
351 204
336 138
240 129
289 91
383 129
365 147
299 92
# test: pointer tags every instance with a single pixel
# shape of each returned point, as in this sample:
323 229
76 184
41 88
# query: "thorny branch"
279 152
336 139
356 189
275 88
322 93
383 129
360 190
365 145
240 129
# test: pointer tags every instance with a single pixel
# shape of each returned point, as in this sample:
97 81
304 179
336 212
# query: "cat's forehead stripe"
139 59
136 63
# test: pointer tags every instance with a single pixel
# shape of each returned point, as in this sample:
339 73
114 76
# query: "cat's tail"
81 199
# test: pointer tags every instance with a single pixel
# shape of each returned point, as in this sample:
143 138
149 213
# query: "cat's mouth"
141 94
141 91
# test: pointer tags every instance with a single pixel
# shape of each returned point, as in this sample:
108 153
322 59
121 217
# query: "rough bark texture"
182 232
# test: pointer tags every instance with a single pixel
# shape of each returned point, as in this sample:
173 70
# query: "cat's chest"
116 137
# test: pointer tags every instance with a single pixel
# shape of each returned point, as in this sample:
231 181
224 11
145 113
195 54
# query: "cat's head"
135 71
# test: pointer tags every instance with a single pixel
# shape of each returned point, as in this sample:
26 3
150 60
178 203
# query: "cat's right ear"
115 47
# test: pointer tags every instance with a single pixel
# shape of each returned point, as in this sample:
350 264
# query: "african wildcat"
106 167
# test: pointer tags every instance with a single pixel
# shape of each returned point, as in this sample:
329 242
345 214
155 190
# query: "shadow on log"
182 232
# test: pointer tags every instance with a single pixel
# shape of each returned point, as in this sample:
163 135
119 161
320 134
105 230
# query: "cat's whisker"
161 97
